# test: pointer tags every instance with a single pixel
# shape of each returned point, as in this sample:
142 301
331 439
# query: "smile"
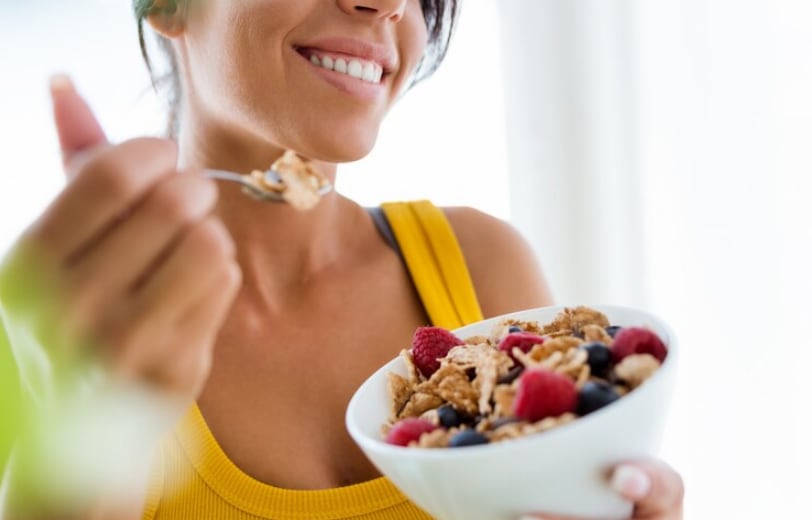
355 67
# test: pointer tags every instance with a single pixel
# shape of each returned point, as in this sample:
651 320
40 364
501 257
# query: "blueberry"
514 328
449 416
594 396
467 438
511 375
612 330
600 358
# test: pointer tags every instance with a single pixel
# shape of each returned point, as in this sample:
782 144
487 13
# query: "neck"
280 249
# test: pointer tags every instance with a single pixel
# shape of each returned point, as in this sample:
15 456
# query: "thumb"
655 487
76 126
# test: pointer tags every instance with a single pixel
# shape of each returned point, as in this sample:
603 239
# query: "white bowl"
561 471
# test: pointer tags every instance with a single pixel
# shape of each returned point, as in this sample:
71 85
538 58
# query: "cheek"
231 50
414 37
246 77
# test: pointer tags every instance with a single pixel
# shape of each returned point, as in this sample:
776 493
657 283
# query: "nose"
377 9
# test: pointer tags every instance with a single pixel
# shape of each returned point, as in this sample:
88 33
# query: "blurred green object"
10 397
32 380
72 428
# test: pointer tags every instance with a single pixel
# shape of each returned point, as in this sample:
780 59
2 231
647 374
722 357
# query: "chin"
341 147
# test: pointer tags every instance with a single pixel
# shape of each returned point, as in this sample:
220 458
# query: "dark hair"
440 16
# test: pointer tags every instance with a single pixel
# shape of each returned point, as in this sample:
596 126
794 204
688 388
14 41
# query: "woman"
268 317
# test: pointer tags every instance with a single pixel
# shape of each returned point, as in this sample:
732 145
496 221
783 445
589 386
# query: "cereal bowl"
561 471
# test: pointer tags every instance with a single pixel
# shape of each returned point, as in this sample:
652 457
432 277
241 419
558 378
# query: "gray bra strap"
382 223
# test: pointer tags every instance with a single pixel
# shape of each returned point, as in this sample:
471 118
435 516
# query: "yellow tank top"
194 479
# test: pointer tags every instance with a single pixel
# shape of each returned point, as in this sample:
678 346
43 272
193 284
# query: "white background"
695 117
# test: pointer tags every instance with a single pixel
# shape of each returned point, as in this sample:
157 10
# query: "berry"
637 340
543 393
612 330
600 358
594 396
523 340
515 328
408 430
467 438
450 417
428 345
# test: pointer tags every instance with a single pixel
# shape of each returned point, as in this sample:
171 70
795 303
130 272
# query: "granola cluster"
523 378
301 182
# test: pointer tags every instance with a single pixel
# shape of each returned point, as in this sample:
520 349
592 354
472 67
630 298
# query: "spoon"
251 187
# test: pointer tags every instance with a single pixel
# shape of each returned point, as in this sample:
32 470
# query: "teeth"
355 69
369 72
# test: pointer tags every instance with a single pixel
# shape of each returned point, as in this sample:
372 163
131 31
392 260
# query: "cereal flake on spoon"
302 185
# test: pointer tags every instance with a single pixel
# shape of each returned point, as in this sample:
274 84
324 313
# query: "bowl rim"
390 450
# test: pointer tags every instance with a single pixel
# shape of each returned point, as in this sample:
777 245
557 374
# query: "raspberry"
408 430
524 340
637 340
428 345
543 393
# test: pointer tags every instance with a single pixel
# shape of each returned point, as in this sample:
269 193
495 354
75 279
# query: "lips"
353 66
357 67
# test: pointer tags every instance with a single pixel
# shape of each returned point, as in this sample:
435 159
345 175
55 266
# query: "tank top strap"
435 262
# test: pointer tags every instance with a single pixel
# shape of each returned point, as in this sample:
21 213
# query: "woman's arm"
507 276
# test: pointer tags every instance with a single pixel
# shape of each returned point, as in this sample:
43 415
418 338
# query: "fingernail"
61 82
631 482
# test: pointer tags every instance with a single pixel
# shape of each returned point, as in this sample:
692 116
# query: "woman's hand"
128 268
138 267
654 487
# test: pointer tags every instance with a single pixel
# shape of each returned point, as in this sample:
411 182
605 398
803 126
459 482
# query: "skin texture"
261 333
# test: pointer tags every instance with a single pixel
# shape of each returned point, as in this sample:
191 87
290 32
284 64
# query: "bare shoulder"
504 269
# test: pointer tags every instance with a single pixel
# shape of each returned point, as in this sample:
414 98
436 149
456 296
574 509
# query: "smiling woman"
440 17
250 324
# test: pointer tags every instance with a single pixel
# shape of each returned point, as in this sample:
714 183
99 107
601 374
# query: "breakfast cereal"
524 378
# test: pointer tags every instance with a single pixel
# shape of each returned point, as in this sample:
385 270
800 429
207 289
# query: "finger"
655 487
207 317
76 126
111 182
124 256
139 330
201 326
180 359
176 285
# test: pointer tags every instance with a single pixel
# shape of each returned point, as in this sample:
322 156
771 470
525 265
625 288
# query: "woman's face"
282 71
